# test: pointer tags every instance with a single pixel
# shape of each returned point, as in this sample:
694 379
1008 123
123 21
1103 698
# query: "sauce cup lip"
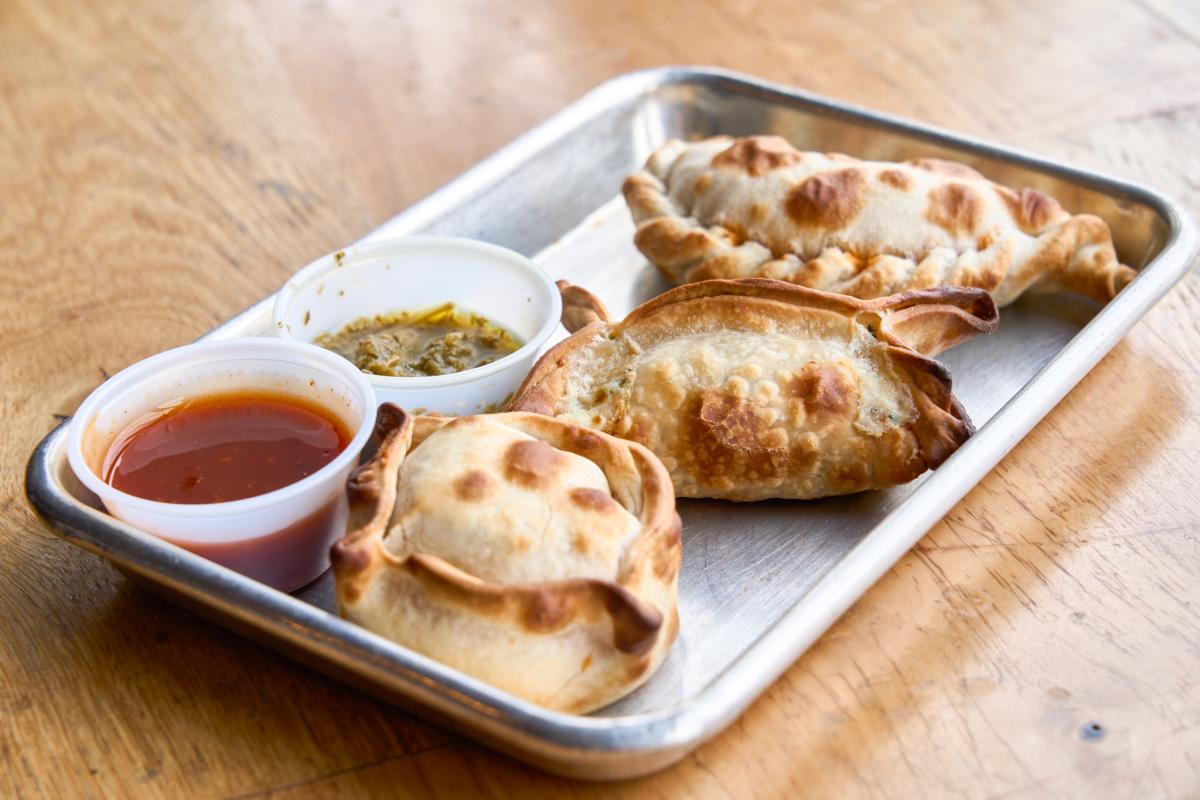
321 267
254 346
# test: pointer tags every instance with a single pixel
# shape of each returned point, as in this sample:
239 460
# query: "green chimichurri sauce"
436 341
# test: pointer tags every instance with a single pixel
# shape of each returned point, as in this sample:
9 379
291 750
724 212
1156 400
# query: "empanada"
757 207
525 551
755 388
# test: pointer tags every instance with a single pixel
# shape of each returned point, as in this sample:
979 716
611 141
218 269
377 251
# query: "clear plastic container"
418 272
281 538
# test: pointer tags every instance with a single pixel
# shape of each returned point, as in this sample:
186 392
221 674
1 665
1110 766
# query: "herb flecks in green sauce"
436 341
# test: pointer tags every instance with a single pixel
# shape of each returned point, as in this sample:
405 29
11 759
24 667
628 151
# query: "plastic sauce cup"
419 272
281 538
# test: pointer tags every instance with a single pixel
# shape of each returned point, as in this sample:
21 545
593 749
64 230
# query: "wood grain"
162 164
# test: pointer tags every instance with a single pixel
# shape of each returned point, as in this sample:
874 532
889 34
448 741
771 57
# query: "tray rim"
613 747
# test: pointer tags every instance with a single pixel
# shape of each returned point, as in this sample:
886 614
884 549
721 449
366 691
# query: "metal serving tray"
760 582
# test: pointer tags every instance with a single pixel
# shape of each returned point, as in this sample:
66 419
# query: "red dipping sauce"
224 447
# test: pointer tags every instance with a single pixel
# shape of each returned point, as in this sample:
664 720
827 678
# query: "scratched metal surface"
760 582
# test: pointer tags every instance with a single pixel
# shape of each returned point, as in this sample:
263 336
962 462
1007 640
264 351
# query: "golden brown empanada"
757 207
755 388
525 551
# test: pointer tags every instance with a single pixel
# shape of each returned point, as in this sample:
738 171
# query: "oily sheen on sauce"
224 447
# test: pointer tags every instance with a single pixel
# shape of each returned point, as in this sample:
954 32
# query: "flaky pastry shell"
754 389
758 207
530 553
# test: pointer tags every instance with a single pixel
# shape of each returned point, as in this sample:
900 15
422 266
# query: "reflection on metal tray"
760 582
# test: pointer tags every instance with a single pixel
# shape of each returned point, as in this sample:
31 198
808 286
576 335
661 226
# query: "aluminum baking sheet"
760 582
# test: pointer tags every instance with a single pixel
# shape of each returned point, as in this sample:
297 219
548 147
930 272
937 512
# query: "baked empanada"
755 388
757 207
525 551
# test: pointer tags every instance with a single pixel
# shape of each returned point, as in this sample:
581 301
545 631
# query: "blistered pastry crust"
571 621
757 207
756 389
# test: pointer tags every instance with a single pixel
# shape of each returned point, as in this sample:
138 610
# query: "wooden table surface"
162 164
